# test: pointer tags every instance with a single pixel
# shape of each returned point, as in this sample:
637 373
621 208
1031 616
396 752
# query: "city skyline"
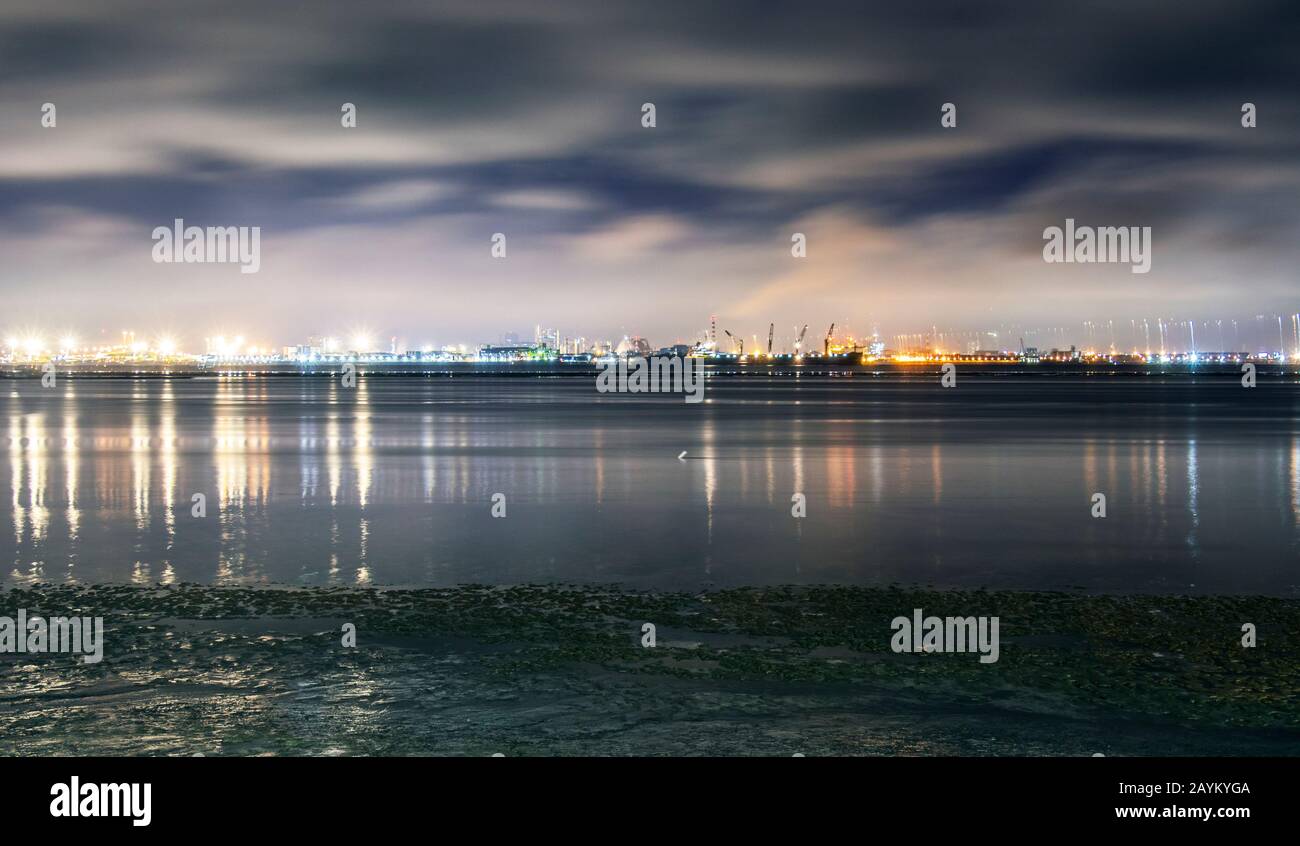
1272 334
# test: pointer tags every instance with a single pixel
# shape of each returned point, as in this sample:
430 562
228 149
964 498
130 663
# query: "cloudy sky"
524 117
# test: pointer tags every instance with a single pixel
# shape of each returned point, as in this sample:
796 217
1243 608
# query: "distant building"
546 337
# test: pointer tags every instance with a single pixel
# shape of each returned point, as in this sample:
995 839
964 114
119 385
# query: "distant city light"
28 346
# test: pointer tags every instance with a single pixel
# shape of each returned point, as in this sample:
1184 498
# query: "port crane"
771 327
798 345
740 341
826 344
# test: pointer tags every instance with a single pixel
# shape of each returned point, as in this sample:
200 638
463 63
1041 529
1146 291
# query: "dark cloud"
989 183
42 50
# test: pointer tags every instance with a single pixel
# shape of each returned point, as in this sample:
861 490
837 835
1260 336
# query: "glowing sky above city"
525 118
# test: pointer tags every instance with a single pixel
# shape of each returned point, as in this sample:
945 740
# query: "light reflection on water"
391 483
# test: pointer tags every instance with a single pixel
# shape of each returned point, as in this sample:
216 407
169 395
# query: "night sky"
524 118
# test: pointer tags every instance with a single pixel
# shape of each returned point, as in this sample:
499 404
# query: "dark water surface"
391 482
986 484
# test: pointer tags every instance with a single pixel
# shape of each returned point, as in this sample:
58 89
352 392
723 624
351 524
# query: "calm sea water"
392 482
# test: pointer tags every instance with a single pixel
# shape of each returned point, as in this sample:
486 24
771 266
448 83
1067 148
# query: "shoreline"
533 669
811 367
